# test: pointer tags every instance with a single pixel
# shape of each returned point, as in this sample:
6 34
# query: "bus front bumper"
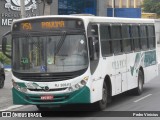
77 97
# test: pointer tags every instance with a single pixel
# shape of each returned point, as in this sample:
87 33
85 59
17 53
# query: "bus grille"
50 90
46 78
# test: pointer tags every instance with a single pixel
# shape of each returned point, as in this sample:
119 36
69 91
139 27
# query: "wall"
54 7
67 7
125 12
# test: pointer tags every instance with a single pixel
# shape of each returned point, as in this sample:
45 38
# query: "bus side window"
151 36
96 44
106 43
93 48
135 37
126 39
143 37
92 30
116 39
93 42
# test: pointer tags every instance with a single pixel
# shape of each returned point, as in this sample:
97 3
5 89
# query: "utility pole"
47 7
23 12
113 6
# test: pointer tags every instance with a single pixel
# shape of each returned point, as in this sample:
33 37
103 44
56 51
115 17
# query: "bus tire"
101 105
139 89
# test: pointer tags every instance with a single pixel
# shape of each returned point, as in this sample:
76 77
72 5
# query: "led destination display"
48 24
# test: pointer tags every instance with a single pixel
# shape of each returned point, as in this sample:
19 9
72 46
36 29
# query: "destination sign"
26 26
48 24
53 24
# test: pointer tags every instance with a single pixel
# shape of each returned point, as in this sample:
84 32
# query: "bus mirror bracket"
4 45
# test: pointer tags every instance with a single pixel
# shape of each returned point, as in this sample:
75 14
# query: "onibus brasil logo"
15 5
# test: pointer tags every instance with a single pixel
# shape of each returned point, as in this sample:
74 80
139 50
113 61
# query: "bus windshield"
50 53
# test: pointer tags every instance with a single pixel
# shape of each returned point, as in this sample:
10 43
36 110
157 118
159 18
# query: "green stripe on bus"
79 96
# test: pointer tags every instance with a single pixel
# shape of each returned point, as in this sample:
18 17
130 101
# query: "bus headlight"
19 88
79 85
23 89
15 85
83 82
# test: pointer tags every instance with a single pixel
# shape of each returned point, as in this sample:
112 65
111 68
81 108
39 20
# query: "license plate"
47 97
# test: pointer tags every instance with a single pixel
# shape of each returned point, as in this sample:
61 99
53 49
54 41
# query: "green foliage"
151 6
5 60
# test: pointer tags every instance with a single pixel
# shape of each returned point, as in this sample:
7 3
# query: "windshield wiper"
60 43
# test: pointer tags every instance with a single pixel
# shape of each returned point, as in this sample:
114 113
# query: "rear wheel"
101 105
139 89
2 82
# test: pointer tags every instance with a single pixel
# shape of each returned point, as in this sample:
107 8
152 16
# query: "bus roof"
93 19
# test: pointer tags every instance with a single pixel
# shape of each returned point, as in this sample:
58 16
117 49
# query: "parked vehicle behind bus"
2 75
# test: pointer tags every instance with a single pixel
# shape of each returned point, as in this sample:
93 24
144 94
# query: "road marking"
143 98
11 107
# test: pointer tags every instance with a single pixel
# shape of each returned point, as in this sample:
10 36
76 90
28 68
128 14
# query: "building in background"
95 7
124 8
10 10
66 7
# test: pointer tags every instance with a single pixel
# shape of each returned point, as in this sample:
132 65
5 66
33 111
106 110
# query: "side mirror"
91 47
6 45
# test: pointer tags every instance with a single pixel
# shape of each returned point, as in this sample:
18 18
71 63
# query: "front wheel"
139 89
101 105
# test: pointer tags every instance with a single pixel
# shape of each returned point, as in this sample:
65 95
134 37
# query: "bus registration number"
47 97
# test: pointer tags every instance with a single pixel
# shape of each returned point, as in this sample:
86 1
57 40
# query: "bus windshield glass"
50 53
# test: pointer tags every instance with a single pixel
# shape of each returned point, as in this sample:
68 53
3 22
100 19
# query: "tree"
151 6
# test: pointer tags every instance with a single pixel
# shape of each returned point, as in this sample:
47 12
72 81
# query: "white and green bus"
59 60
